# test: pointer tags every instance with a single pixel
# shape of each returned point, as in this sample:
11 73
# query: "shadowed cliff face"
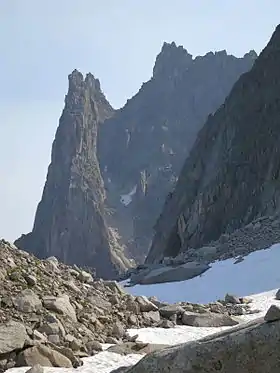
232 173
142 148
70 219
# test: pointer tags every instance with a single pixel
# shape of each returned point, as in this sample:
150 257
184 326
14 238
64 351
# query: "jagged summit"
70 219
152 134
232 174
77 82
171 60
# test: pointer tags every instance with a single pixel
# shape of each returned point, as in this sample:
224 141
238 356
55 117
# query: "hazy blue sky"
117 40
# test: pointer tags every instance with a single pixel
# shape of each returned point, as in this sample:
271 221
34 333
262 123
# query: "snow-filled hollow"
126 199
258 272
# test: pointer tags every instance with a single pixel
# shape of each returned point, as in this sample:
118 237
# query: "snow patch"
104 362
126 199
183 334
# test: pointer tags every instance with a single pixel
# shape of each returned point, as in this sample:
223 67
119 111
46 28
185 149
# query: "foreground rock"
65 314
245 349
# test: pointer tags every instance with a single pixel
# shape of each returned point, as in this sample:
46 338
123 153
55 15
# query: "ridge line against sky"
115 40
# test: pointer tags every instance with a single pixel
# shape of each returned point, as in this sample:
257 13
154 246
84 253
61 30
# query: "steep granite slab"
70 219
232 174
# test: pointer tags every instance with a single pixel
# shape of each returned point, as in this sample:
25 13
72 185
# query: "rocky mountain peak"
231 176
171 61
70 219
91 85
152 134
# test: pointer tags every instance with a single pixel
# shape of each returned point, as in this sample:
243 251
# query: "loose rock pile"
52 314
259 234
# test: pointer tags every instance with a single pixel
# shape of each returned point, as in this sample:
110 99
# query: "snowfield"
257 273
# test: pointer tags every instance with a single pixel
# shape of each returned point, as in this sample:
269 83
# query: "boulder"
169 311
85 277
118 330
27 301
277 296
273 314
233 299
60 305
30 280
246 348
145 304
93 346
115 287
207 319
44 356
152 317
52 326
12 336
67 352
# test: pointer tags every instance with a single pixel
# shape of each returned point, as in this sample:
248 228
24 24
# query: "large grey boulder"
12 336
208 319
145 304
247 348
60 305
170 310
44 356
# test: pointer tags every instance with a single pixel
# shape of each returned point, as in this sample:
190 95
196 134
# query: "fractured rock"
12 336
60 305
44 356
145 304
27 301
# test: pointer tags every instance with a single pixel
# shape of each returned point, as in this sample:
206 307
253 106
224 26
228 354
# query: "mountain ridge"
152 134
227 182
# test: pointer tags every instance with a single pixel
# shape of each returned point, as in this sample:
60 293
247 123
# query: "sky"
116 40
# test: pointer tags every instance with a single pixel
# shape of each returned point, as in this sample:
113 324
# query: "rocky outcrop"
65 314
232 174
70 219
245 349
142 148
165 273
